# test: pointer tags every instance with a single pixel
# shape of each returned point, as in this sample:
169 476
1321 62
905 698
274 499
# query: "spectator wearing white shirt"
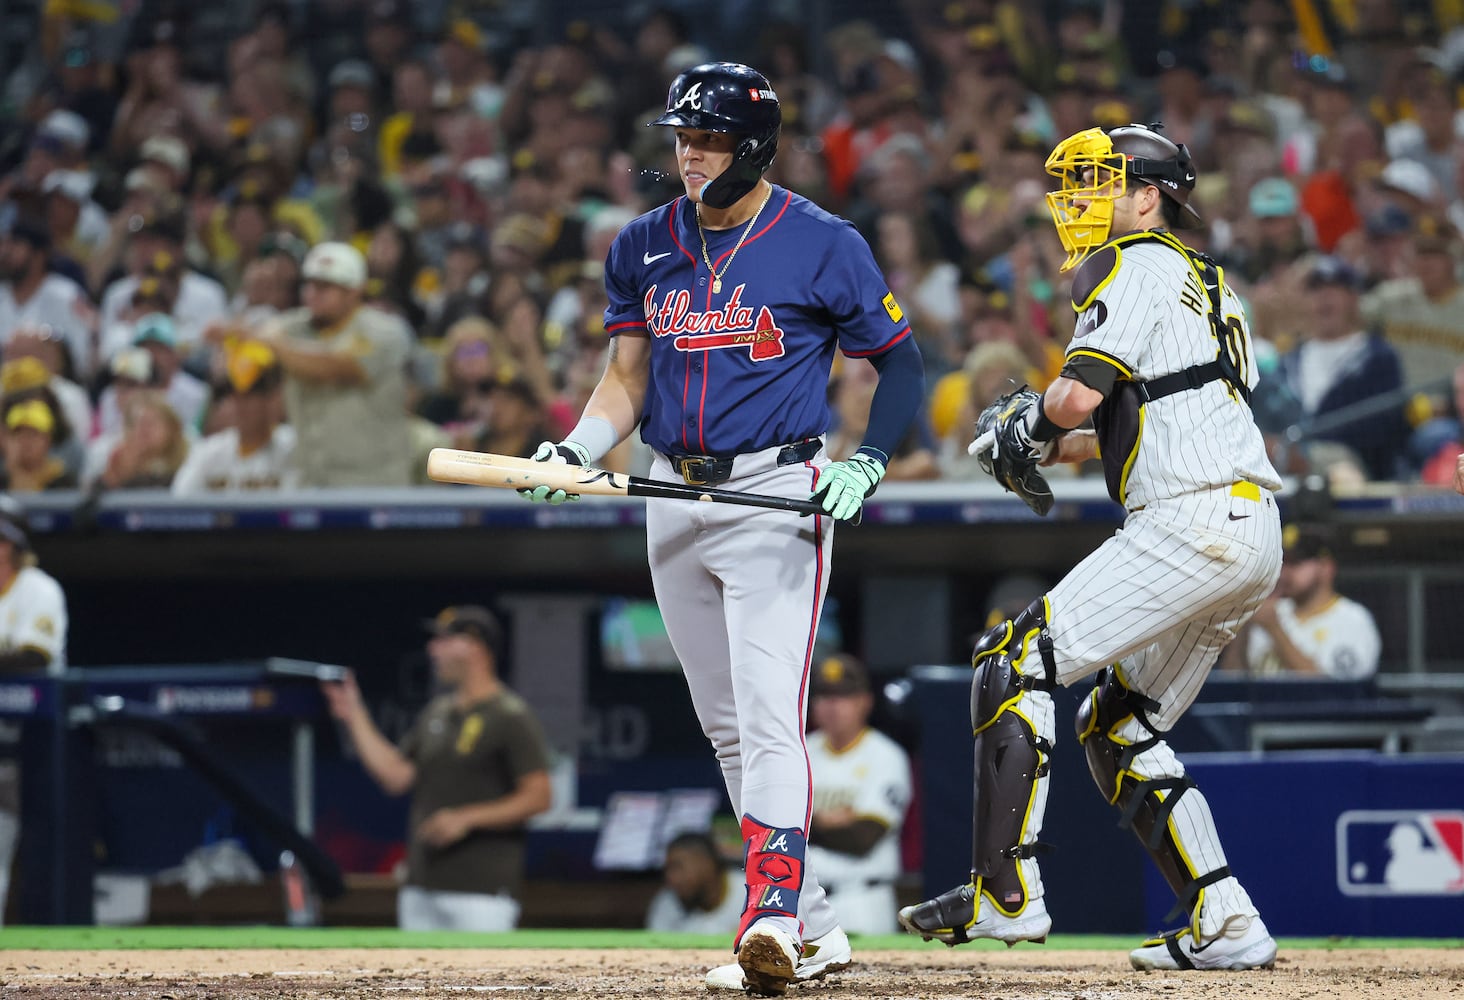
79 226
200 299
30 295
187 394
253 453
130 372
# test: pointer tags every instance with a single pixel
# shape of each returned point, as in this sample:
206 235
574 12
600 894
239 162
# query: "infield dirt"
936 974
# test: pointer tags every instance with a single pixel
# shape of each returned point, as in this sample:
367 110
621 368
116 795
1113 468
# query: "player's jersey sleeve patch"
1094 274
892 307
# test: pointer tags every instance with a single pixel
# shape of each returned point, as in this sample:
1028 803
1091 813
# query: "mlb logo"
1400 853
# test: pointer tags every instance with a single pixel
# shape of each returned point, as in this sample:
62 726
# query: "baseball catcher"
1013 437
1161 362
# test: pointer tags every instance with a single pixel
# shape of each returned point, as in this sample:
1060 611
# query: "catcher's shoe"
952 917
822 955
1250 947
768 956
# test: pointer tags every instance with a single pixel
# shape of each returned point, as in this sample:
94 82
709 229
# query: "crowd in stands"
167 167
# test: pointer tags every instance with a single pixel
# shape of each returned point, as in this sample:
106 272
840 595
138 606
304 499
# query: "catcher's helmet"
728 97
1095 168
1156 159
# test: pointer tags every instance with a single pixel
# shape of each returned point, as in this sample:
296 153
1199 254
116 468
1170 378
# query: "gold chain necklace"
717 278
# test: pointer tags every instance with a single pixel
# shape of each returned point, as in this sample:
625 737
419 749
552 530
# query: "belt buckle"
684 467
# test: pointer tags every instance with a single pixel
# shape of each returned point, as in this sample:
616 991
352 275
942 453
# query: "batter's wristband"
1044 429
595 435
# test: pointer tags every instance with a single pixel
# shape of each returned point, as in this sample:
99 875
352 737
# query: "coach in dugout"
32 640
476 764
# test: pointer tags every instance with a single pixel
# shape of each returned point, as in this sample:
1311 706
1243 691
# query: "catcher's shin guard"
1138 772
1012 718
1012 721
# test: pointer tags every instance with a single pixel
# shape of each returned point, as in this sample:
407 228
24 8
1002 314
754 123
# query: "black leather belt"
709 470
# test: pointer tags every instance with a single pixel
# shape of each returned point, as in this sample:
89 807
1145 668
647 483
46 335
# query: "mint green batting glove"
564 453
844 486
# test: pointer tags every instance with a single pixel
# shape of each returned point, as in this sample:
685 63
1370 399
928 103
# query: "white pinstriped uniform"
32 616
1192 440
1193 559
871 777
1200 548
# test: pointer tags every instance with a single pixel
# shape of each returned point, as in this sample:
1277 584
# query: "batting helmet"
728 97
1096 167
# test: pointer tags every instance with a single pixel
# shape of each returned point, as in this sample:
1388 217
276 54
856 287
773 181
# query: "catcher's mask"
1095 167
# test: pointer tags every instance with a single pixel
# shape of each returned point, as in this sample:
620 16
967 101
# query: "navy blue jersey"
747 368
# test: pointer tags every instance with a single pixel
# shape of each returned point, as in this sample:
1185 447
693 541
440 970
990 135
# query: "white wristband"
595 435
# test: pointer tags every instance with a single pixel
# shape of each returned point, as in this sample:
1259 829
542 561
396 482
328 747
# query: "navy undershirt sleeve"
897 398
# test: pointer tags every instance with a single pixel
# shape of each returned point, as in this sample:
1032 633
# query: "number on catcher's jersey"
1236 346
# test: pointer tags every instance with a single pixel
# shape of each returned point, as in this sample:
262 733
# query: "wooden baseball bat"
481 468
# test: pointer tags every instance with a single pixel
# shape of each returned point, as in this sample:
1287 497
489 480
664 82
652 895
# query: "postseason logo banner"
1400 853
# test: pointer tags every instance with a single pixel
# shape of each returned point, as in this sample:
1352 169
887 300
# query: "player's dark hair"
702 843
1169 210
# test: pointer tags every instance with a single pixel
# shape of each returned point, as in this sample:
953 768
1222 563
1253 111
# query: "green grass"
125 938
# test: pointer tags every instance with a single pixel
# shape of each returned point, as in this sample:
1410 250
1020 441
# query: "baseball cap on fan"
1333 271
64 130
168 150
1411 178
1273 198
336 264
1300 542
840 674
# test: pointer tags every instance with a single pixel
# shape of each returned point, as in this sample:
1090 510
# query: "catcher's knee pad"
1136 771
1017 638
1014 730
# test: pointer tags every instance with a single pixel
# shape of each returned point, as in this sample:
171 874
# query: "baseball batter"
726 307
1161 360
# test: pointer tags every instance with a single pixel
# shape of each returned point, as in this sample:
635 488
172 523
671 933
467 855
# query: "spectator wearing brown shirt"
476 764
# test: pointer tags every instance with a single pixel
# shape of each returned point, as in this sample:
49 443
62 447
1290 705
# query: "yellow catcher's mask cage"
1093 175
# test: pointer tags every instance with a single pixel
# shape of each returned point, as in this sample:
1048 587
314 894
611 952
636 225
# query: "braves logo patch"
1093 317
1400 853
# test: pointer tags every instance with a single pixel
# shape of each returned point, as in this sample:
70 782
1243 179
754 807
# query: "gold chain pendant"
706 257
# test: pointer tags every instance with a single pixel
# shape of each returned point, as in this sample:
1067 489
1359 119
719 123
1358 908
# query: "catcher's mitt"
1005 448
